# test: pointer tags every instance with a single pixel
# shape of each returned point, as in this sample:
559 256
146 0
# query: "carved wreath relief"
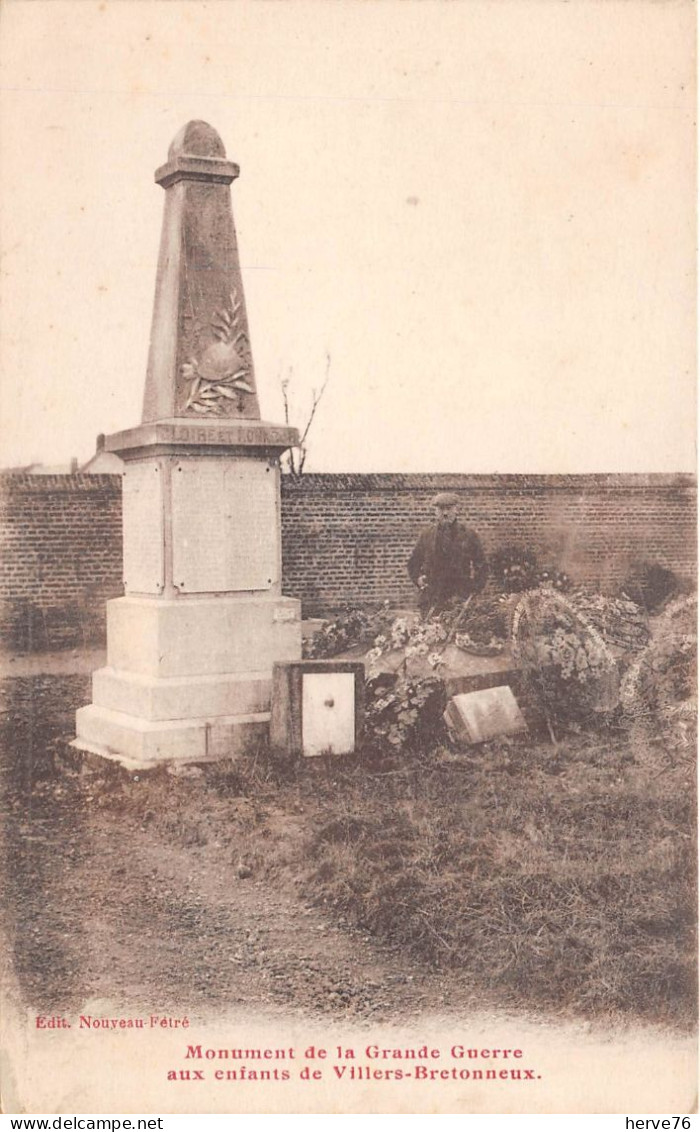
222 374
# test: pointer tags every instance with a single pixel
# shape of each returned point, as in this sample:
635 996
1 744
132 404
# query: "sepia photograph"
348 614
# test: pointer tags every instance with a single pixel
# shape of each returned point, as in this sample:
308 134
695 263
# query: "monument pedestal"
191 647
178 685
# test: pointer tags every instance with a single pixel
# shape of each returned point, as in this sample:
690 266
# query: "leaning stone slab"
474 717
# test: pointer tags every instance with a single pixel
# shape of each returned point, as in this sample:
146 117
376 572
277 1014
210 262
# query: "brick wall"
60 557
345 538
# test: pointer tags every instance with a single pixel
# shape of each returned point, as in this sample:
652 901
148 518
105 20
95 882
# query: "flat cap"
446 499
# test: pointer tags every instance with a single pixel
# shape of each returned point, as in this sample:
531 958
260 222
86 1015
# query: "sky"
482 212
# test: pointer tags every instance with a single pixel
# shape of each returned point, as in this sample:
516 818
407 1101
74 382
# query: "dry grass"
563 884
566 885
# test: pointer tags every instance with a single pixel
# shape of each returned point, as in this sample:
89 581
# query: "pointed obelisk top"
200 364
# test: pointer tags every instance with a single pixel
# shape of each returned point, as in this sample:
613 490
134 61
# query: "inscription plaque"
144 558
225 524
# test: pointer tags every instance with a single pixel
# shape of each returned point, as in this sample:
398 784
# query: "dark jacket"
452 560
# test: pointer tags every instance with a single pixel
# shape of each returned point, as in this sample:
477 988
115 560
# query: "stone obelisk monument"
191 645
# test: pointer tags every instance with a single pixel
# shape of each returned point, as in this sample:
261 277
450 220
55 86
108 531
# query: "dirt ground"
100 906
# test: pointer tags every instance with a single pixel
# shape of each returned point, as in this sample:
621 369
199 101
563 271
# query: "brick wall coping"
387 481
79 483
494 481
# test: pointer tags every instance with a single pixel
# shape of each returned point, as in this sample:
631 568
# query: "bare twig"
290 455
296 457
315 401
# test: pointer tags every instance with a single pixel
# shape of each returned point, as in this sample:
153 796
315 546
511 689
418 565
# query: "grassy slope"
563 884
560 884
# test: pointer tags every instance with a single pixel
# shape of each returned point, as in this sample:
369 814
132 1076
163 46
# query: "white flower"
400 632
434 659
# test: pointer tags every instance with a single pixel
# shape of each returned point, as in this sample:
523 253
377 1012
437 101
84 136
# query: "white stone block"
317 706
139 742
181 697
328 713
201 636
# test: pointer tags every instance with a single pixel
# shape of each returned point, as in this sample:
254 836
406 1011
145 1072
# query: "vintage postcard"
347 581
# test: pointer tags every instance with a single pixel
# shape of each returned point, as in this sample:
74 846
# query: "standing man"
448 560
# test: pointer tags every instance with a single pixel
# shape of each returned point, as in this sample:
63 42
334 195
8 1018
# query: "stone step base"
142 744
201 636
181 697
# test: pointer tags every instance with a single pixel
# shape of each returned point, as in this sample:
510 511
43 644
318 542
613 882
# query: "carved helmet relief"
223 371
